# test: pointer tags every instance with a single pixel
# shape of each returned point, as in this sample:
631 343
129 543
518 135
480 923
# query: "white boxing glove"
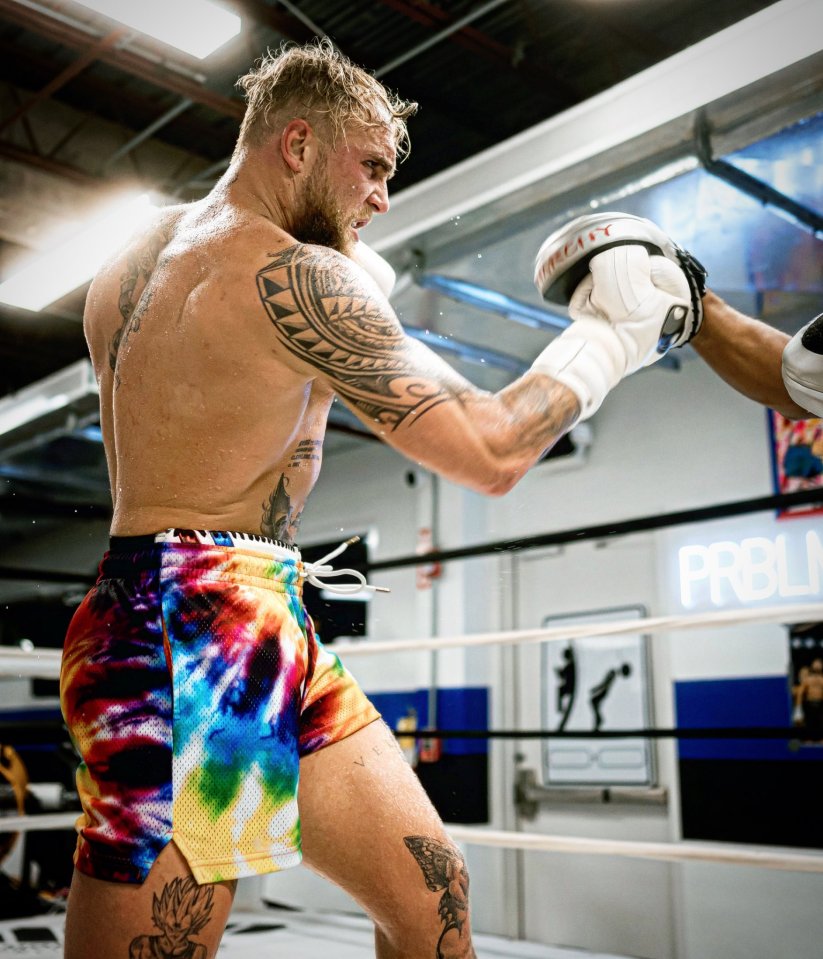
374 264
645 297
589 358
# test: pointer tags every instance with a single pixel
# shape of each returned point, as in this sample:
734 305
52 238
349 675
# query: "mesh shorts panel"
185 688
116 698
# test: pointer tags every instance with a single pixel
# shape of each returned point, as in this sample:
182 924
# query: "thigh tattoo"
180 911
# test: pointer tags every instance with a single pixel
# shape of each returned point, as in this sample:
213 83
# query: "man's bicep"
333 324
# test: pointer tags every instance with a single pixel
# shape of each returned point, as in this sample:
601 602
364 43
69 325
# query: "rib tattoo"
325 318
444 868
280 519
179 912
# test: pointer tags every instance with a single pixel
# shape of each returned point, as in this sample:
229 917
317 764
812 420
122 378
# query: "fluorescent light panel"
197 27
53 274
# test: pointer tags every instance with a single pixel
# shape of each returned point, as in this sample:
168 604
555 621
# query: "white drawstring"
317 573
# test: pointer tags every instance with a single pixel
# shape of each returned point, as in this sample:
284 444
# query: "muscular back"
205 422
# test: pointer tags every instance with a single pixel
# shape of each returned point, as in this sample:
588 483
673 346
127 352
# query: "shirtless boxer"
192 682
620 257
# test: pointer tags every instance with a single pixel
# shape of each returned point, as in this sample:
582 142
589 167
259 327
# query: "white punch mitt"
803 367
564 259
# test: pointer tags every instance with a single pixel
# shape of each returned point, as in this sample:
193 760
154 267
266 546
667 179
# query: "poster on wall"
806 650
596 684
797 458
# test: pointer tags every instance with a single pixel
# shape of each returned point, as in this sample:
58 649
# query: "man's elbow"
498 481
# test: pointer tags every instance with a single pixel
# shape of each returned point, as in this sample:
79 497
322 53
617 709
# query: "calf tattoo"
179 912
444 868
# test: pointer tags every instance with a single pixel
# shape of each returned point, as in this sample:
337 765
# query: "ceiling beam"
11 152
581 144
87 57
133 63
27 71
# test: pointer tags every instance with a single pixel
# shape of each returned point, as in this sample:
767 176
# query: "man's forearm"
746 353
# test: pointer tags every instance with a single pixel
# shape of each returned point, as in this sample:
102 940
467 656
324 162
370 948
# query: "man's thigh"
168 915
369 826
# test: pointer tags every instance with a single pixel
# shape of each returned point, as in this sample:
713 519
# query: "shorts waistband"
273 548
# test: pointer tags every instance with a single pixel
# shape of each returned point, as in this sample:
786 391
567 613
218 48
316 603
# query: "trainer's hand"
374 264
645 297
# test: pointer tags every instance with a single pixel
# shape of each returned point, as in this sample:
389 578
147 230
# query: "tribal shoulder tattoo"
329 321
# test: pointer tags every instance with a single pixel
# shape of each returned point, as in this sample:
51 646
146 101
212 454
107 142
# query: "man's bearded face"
319 218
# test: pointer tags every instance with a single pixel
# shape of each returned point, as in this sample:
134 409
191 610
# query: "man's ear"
298 144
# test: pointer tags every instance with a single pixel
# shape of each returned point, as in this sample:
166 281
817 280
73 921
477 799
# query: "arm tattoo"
322 316
280 519
444 868
306 451
140 264
180 911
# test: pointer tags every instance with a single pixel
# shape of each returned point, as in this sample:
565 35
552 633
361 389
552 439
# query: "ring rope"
794 733
800 613
52 732
39 822
661 851
537 842
41 663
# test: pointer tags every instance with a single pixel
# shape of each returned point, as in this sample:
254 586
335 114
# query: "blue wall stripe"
460 708
742 701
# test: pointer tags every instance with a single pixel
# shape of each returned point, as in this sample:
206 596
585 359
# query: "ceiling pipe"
752 186
479 356
439 37
148 132
492 301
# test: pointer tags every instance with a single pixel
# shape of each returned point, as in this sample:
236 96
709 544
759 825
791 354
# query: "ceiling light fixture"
54 273
197 27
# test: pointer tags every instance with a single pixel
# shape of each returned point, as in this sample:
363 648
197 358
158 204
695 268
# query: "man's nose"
379 198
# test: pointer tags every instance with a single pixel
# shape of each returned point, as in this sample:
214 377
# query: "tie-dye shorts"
192 683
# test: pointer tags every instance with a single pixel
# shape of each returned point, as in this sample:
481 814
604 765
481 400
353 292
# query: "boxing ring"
270 928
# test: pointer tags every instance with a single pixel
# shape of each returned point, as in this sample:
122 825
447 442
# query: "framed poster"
797 457
596 684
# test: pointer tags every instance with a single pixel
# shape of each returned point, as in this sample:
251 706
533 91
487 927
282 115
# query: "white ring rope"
537 842
663 851
39 822
807 613
45 663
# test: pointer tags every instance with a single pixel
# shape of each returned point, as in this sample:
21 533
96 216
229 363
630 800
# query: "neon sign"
754 570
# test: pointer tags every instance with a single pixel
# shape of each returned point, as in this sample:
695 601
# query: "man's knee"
436 911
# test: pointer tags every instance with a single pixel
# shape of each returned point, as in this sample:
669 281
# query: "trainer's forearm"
746 353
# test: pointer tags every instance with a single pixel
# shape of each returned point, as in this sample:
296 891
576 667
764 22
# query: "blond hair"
320 84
